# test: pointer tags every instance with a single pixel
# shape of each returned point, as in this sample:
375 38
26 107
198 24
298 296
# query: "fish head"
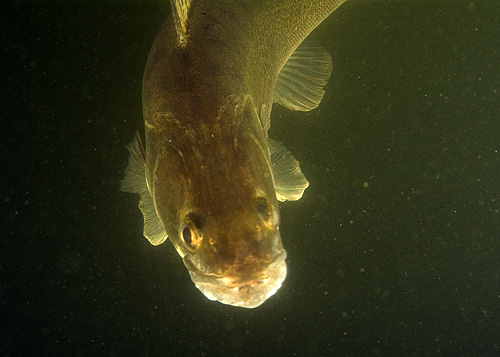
214 192
238 259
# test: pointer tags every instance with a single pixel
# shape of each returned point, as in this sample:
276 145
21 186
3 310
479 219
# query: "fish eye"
189 231
190 236
264 209
187 236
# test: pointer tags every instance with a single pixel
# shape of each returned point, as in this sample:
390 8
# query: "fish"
208 175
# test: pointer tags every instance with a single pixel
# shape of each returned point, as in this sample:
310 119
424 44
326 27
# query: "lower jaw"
248 295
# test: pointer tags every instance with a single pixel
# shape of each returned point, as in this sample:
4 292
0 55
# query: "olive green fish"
209 177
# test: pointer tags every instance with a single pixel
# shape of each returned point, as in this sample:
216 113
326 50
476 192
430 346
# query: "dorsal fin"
180 11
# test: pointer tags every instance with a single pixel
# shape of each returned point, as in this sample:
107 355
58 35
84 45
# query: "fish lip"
249 293
272 265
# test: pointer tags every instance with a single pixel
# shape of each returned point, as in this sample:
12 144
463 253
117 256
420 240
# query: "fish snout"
248 285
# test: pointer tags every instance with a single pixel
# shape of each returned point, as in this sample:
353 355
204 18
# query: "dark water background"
393 250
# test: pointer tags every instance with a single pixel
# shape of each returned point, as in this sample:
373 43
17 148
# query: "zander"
208 176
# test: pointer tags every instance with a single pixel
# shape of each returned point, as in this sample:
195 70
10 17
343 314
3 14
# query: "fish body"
209 177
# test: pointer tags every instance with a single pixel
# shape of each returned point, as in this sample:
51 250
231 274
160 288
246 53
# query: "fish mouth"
248 293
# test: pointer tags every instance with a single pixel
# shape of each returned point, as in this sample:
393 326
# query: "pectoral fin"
289 182
301 81
135 182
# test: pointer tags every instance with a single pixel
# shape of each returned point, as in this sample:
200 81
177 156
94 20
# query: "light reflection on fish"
209 177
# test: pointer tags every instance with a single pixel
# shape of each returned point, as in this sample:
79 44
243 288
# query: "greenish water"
393 250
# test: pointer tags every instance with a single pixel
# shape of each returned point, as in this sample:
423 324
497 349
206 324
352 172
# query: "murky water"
393 250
